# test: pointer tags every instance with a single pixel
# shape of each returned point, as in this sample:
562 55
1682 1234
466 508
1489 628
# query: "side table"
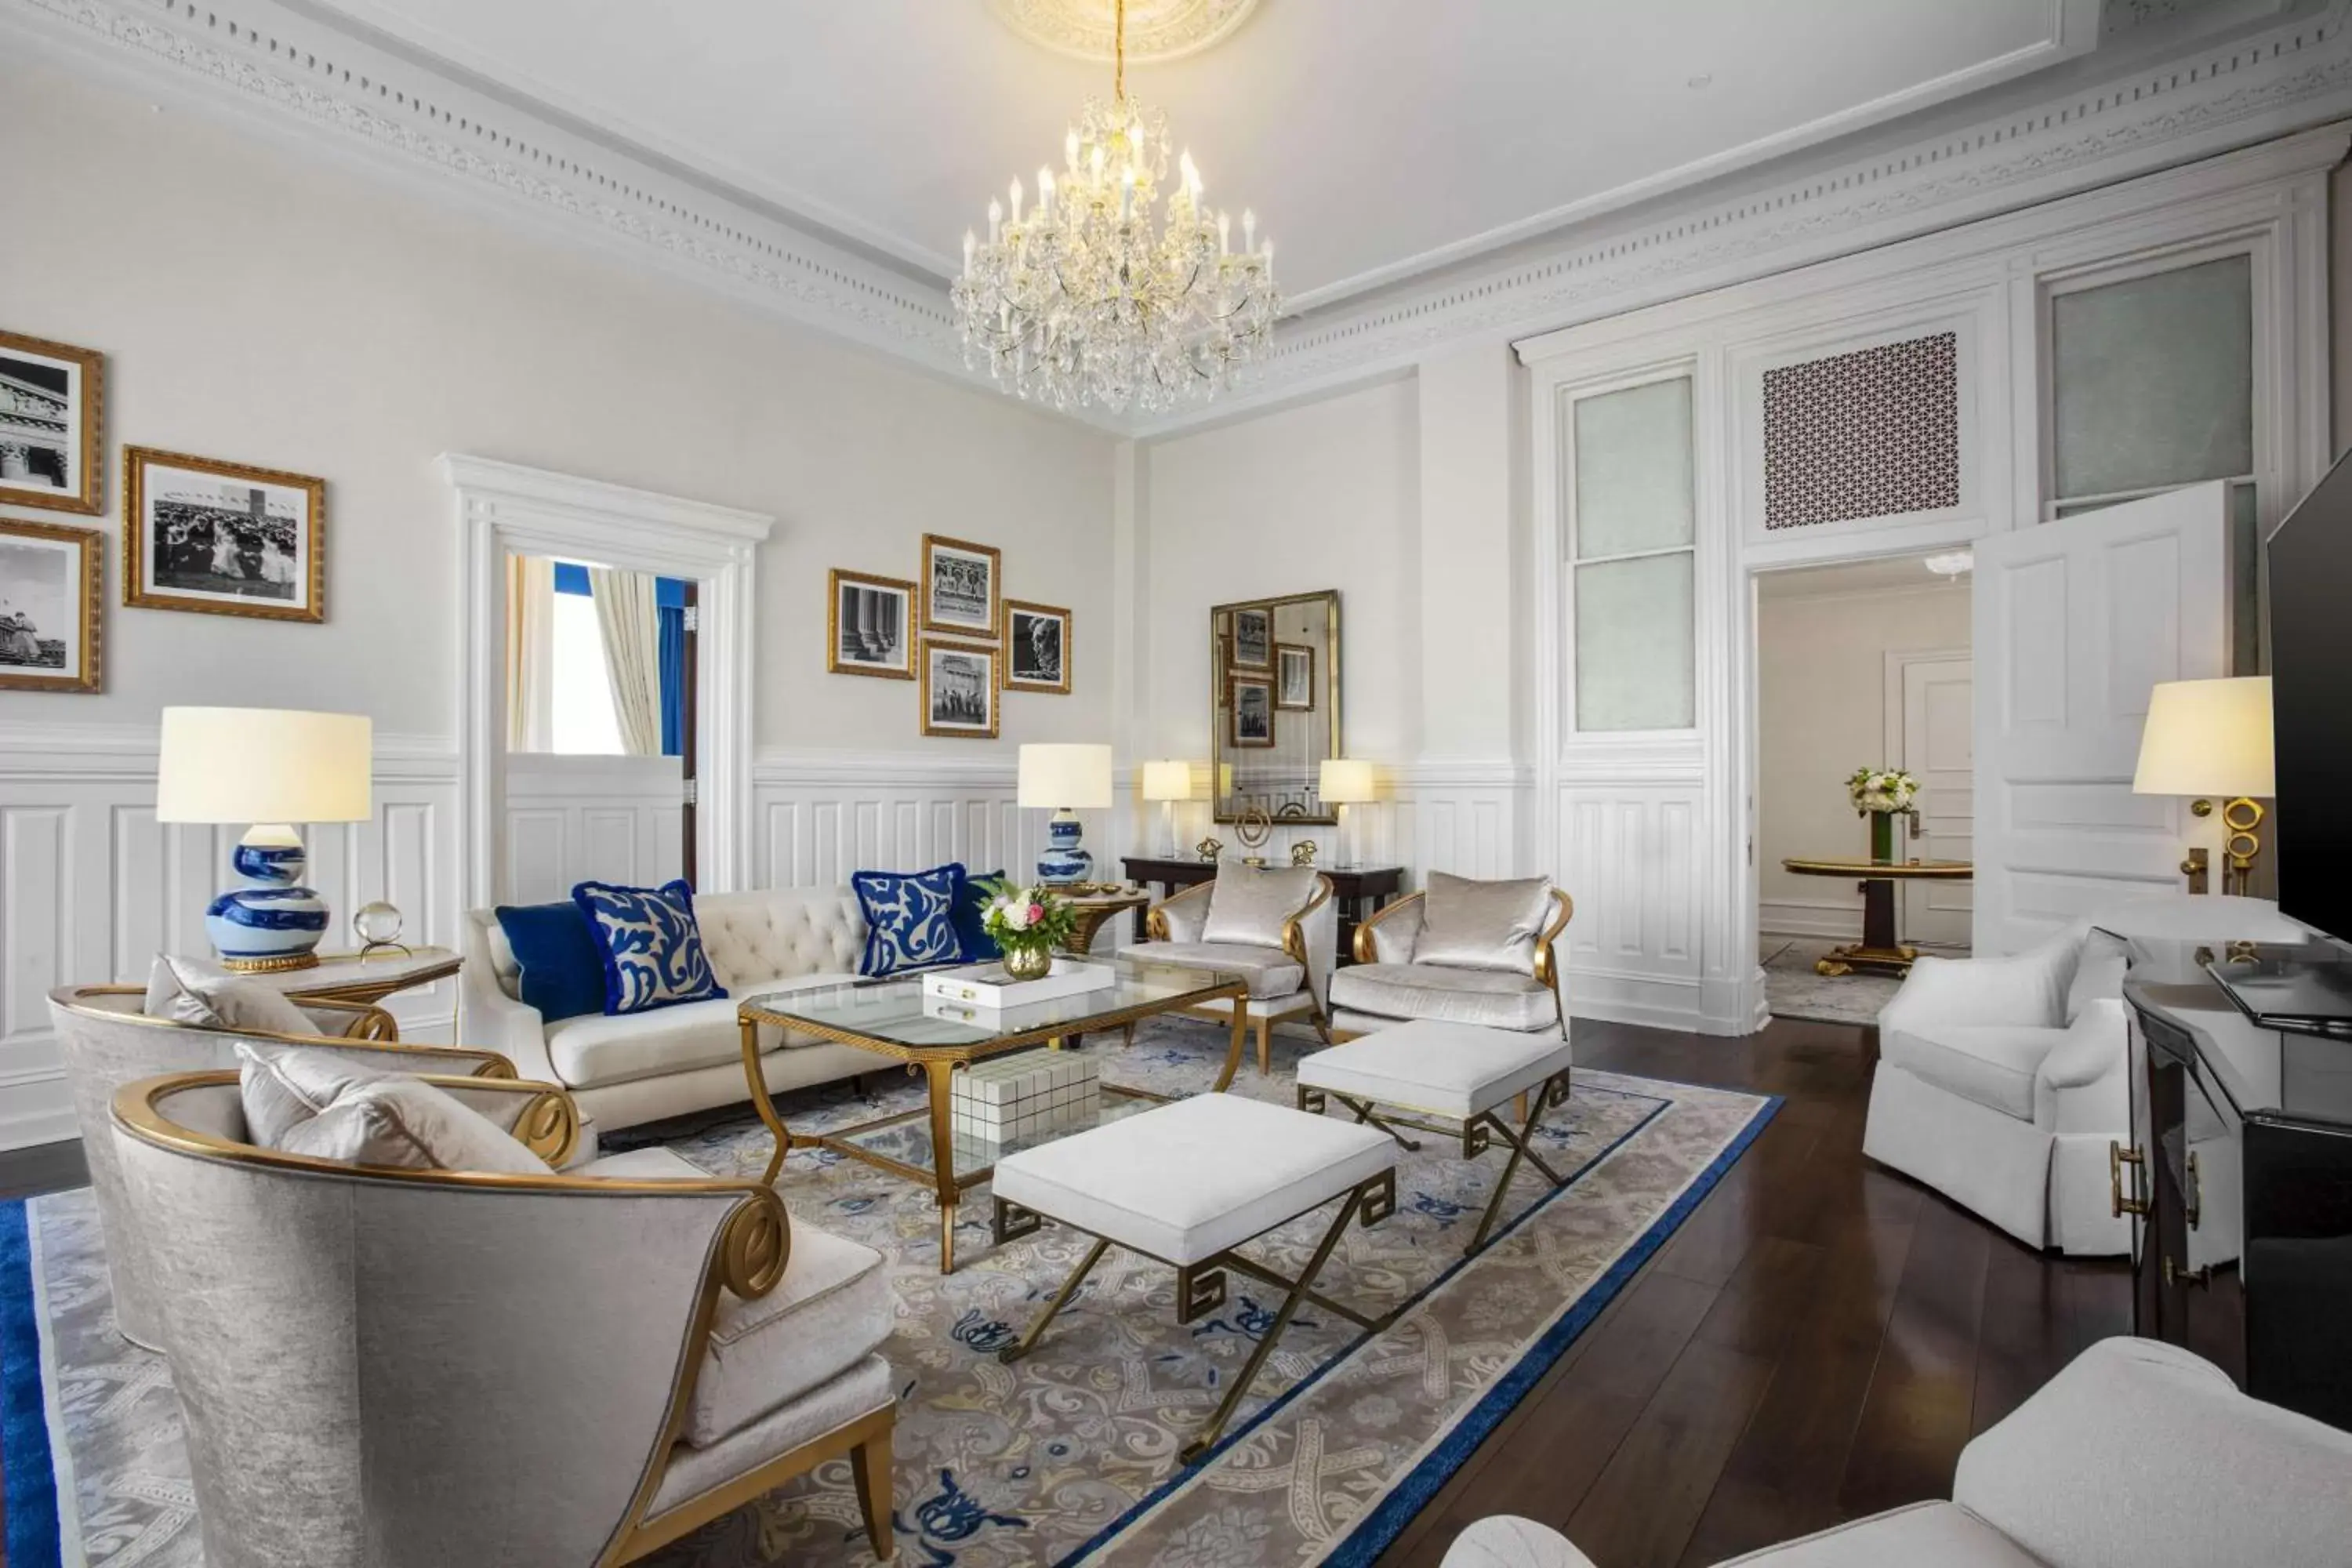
1360 891
348 977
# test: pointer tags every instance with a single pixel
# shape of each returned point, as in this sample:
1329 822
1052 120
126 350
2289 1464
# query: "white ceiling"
1374 138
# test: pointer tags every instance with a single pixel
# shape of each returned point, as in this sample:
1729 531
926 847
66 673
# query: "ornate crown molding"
1155 29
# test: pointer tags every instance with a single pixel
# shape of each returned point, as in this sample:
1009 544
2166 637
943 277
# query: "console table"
1877 950
1360 891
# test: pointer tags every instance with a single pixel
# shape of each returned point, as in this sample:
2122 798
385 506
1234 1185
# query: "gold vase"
1028 963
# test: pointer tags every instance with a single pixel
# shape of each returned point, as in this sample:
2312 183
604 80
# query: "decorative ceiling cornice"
326 90
1155 29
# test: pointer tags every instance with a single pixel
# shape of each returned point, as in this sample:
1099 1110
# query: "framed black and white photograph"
1252 704
49 606
1036 647
225 539
1293 678
52 396
959 587
869 626
959 688
1252 639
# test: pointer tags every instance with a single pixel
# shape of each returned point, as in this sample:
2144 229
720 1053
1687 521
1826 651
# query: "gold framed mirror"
1274 696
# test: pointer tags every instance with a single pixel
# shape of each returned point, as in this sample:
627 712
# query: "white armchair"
1498 965
1279 929
2137 1452
2001 1082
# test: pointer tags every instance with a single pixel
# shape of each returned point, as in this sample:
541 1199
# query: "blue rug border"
1374 1534
34 1535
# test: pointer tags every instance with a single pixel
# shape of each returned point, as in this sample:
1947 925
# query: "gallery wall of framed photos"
951 631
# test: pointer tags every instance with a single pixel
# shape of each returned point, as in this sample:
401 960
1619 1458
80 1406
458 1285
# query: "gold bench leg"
1554 1092
1028 1341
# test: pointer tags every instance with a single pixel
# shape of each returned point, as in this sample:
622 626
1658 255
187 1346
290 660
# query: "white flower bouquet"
1887 790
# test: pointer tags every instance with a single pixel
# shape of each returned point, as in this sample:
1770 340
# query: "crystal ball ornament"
376 924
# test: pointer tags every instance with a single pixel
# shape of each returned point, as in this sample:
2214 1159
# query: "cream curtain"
628 616
531 654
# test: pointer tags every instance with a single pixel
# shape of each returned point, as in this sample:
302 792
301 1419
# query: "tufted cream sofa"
642 1067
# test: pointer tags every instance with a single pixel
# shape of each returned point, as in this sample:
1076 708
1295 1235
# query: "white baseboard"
1806 918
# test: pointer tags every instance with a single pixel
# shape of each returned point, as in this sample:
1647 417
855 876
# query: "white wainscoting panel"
819 816
573 819
92 887
1629 855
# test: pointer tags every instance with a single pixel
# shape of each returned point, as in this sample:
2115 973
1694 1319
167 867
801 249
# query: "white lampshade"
2208 737
1345 781
1077 776
264 765
1168 781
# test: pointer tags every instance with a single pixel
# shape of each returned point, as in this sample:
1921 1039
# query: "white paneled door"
1933 741
2076 621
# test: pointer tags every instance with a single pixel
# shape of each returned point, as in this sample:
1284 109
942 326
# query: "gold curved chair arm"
1546 970
1155 923
369 1022
1293 929
1366 949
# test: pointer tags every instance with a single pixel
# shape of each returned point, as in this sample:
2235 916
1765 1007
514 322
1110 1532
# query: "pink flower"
1036 913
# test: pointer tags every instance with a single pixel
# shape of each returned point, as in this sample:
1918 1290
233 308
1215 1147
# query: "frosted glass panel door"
1631 557
2152 381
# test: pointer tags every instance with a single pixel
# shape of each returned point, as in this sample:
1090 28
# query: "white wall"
1821 713
259 306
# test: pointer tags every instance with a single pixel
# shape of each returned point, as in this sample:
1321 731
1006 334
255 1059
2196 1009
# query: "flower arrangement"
1027 924
1888 791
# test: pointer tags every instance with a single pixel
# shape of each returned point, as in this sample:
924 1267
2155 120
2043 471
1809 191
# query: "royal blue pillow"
650 946
973 943
562 967
910 918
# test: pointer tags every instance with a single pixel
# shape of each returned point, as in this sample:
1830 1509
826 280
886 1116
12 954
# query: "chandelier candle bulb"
1016 198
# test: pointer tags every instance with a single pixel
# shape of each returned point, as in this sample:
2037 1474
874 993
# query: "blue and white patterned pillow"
650 943
910 918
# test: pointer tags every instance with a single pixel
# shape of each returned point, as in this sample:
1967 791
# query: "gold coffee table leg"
940 1077
762 1103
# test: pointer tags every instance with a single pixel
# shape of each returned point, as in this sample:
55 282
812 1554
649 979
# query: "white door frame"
502 509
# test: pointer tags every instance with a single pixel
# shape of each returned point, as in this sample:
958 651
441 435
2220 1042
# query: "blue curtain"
670 598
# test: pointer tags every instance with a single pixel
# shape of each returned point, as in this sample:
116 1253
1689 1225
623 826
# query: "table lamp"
1168 783
268 768
1065 779
2212 738
1344 782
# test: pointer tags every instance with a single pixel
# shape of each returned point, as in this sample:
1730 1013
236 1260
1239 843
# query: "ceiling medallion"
1086 298
1155 29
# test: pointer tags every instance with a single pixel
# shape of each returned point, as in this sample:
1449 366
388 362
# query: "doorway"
1860 664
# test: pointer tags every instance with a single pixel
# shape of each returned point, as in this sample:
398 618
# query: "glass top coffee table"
896 1020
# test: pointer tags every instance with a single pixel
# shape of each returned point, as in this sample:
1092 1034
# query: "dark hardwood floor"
1816 1342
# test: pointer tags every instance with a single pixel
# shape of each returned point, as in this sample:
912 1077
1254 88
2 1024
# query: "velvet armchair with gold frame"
1288 976
383 1368
1392 981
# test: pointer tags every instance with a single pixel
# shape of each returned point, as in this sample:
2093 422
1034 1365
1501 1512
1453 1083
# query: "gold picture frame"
44 385
1051 663
1288 656
1239 717
1253 633
937 700
946 559
28 597
163 566
836 660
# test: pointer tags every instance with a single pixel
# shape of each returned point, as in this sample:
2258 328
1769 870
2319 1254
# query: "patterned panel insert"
1874 432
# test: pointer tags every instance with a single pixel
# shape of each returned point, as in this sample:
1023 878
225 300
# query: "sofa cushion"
1473 924
597 1050
910 918
1446 1069
833 1306
1272 973
1992 1065
1924 1535
651 947
1185 1180
1495 997
1251 904
558 967
195 991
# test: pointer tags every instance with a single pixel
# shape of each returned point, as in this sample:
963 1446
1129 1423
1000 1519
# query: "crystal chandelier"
1084 298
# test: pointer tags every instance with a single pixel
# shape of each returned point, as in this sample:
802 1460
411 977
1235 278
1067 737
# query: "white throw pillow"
192 991
1471 924
1251 904
285 1086
409 1124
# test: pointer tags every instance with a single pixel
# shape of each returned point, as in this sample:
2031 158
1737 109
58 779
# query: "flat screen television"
2310 582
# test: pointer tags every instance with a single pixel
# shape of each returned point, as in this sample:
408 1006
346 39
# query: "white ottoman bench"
1185 1183
1462 1072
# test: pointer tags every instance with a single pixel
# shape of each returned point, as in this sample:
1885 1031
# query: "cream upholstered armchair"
1278 928
108 1041
1463 951
403 1368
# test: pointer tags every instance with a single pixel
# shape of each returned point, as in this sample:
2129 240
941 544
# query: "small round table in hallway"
1877 951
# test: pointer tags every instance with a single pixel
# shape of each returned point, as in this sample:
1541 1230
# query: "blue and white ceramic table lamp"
1065 779
269 768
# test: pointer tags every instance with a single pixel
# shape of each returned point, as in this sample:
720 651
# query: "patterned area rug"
1069 1455
1793 989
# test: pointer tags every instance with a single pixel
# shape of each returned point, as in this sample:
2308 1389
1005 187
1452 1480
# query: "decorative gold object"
1028 963
52 403
169 497
881 646
27 662
1303 852
1209 848
1254 828
2240 818
1037 652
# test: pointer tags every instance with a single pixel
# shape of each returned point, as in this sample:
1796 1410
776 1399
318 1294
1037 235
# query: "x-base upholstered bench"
1186 1183
1462 1072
